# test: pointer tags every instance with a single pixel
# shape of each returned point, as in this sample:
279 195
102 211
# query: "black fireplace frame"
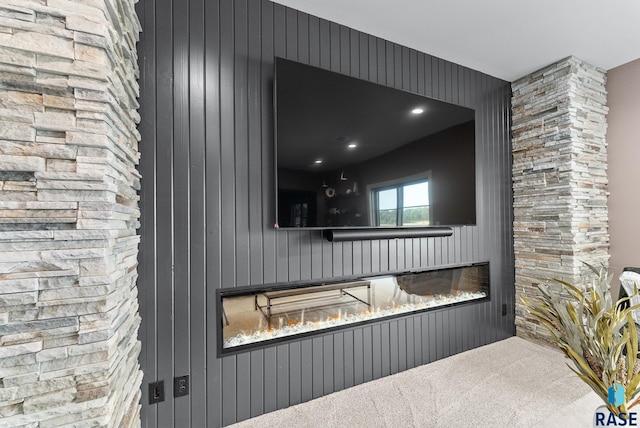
255 289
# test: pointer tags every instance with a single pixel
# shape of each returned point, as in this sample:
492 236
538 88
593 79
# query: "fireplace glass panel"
275 312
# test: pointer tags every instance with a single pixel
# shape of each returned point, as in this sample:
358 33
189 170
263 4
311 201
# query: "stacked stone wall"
68 213
559 178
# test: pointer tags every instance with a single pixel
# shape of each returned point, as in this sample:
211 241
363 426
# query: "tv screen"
352 153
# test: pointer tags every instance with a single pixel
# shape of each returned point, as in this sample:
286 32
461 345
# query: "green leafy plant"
595 332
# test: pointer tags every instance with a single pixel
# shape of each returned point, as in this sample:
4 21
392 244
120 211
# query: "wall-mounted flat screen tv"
351 153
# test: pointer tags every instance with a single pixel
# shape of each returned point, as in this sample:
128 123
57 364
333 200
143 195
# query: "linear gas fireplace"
252 317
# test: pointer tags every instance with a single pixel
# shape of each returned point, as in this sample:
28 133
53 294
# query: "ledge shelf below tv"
356 234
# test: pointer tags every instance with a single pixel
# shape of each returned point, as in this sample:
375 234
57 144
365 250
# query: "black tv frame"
349 233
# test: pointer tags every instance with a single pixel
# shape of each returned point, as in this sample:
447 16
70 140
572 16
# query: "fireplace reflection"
273 313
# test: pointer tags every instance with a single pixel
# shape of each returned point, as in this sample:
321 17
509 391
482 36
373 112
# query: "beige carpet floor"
511 383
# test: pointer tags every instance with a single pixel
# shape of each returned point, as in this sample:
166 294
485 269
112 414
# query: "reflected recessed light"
417 110
352 145
318 160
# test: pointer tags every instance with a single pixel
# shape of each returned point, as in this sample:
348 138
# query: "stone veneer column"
559 178
68 213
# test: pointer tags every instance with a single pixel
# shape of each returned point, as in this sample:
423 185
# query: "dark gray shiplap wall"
208 207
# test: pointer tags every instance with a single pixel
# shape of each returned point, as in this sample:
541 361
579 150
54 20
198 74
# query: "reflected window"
402 204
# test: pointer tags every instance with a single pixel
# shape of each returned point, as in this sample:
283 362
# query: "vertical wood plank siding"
207 203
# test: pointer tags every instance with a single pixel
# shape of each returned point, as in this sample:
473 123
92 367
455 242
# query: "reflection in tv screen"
352 153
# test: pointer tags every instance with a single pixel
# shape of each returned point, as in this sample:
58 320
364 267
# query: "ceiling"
507 39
